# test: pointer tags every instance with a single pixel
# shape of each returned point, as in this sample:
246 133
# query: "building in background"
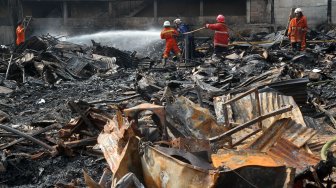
85 16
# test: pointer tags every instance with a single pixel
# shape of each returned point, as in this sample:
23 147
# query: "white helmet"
298 10
166 24
177 21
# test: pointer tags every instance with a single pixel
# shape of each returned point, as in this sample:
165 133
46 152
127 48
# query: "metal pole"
110 9
9 65
50 127
201 8
329 12
65 12
272 12
155 11
28 137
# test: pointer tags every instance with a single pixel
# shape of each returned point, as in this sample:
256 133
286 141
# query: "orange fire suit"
297 31
20 35
169 34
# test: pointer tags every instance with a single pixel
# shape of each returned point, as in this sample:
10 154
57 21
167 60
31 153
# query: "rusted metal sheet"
120 147
269 136
191 144
291 156
248 124
298 134
284 128
273 100
193 120
276 142
162 170
318 141
158 169
171 167
237 159
245 109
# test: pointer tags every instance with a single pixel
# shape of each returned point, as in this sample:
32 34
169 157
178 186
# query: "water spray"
130 40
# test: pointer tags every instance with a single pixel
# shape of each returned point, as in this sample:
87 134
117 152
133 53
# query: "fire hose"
193 31
326 147
235 32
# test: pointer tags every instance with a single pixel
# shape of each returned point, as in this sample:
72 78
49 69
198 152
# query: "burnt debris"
75 115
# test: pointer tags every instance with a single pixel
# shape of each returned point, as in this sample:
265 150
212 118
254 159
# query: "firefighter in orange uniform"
169 34
221 38
297 31
20 33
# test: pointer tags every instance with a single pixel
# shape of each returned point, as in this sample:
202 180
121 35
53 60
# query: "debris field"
261 115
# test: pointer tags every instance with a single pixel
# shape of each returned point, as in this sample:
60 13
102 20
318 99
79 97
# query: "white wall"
315 10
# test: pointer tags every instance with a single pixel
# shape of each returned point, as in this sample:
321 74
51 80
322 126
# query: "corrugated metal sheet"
295 87
292 156
245 109
169 167
298 134
279 143
285 128
269 136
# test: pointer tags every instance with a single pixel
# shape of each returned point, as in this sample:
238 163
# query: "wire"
244 179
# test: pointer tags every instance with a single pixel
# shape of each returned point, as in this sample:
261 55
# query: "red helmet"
220 18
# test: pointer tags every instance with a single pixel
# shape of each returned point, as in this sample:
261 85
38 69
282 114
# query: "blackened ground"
24 108
48 172
34 101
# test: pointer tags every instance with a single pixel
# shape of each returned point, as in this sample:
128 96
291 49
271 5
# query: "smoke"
130 40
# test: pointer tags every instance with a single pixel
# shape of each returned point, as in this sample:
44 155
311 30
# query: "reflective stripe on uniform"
222 32
168 31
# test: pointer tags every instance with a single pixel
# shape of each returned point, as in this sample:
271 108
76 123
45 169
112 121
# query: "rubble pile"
260 115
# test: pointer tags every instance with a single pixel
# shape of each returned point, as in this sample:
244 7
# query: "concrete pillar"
248 11
65 12
329 12
110 8
272 12
201 8
155 10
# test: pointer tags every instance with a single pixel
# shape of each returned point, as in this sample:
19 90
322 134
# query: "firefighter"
221 38
20 33
188 38
169 34
297 31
